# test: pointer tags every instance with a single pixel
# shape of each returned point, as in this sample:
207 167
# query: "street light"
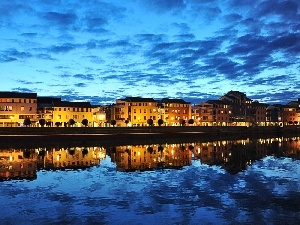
11 119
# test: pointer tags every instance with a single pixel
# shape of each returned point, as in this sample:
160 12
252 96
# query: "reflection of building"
148 157
15 107
77 157
235 156
17 164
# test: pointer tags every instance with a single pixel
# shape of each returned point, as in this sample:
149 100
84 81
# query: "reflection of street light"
11 119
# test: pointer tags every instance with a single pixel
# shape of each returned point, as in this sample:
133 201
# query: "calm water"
221 182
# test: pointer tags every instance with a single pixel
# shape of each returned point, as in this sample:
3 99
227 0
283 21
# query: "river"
247 181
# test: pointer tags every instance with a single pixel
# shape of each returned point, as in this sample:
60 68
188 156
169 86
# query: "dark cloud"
289 42
13 54
29 35
89 77
284 9
58 18
164 6
80 85
67 47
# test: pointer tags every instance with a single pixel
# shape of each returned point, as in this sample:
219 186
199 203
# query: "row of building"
231 109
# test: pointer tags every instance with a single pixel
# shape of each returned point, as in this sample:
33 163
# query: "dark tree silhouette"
160 122
84 152
113 123
191 121
182 122
27 121
126 122
71 122
57 124
85 122
42 122
150 149
150 122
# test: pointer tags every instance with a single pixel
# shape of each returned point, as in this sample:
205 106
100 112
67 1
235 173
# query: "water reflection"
233 156
24 163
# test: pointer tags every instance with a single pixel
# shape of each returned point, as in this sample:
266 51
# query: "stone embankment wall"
92 136
138 130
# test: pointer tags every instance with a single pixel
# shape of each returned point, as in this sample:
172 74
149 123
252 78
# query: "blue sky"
100 50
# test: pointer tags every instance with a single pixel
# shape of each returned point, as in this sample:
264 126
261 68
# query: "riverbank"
30 137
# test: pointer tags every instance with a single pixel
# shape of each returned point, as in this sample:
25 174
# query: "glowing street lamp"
11 119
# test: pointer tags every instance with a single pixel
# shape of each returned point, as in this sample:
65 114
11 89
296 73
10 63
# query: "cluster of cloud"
192 49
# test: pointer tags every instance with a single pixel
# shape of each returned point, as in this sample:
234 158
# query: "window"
30 108
134 117
134 110
144 117
144 110
22 108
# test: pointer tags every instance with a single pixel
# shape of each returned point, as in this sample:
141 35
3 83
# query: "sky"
101 50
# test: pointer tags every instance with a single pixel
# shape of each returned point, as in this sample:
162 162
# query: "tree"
182 122
85 122
84 152
150 149
126 122
42 122
113 123
71 122
57 124
191 147
27 121
160 122
191 121
48 124
160 148
150 122
71 151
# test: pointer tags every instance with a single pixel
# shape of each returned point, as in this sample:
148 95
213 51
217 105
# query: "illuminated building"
63 111
241 107
15 107
175 110
135 111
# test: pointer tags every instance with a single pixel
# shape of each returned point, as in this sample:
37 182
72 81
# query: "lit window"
22 108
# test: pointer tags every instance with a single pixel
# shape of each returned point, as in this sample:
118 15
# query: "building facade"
15 107
175 110
135 111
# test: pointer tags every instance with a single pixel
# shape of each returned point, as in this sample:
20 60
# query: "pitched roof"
217 102
173 100
8 94
47 100
72 104
139 99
